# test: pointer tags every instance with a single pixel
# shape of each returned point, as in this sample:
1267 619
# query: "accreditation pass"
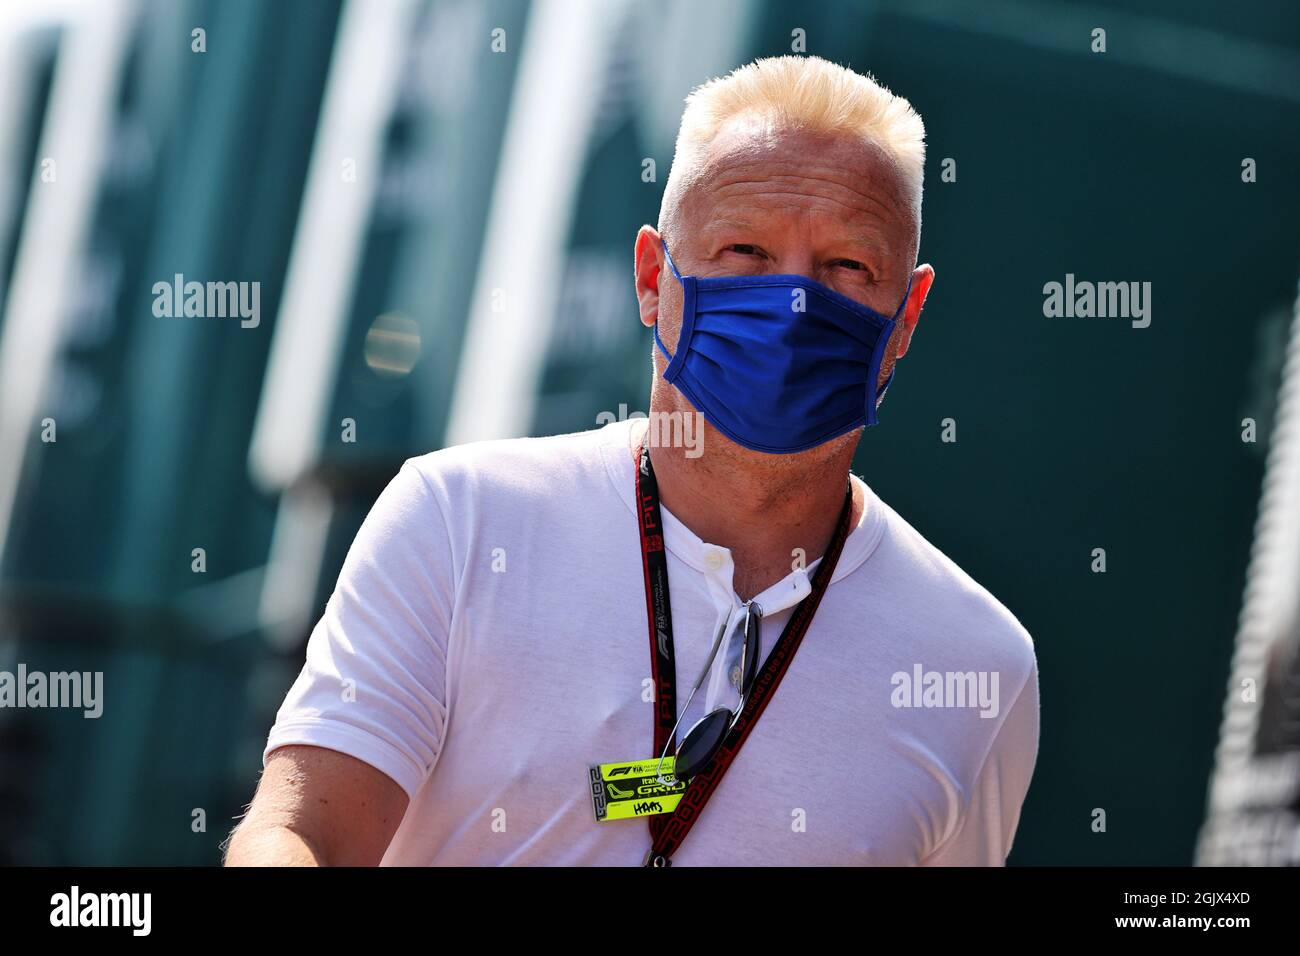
631 788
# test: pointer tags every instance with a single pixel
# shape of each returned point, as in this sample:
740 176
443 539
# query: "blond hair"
803 92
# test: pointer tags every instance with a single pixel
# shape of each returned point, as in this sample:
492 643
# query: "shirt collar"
713 560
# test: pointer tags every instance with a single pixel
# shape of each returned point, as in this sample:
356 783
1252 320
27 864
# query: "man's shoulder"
548 465
942 594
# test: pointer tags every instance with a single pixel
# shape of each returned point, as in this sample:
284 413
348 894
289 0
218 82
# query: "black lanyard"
668 830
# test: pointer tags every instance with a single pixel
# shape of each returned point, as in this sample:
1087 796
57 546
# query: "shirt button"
713 560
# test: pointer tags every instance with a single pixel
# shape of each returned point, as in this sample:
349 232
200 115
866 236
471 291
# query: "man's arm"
318 807
363 724
985 836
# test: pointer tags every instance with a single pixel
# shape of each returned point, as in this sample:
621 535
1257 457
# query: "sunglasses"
702 742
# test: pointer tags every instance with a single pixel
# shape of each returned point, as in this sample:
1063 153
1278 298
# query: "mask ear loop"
658 341
907 294
897 315
669 255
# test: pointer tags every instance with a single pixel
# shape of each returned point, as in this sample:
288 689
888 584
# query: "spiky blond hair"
804 92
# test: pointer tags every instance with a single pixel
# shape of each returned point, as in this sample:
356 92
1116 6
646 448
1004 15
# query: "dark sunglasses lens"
699 746
751 652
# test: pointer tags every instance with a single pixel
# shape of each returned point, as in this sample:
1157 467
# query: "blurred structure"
1254 816
438 200
125 433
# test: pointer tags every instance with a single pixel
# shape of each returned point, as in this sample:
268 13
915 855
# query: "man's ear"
922 279
649 262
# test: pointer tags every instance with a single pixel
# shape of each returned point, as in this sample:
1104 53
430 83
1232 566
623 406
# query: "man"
514 613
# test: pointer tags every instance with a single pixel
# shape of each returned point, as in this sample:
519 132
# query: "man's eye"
745 249
850 264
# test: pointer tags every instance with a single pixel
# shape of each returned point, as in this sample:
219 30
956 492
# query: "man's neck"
771 518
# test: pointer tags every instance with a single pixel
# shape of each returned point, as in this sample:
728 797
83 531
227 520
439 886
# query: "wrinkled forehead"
754 160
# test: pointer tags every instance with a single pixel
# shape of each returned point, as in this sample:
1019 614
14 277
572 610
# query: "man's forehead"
759 154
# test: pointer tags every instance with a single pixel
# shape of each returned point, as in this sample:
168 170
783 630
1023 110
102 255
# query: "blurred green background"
390 171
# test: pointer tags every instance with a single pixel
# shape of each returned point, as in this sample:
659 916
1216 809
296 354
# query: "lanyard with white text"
667 831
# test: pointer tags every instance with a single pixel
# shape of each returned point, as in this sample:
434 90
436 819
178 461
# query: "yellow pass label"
631 788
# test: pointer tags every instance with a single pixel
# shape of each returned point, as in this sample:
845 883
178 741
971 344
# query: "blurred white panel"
309 333
45 277
19 15
20 58
557 91
694 42
288 595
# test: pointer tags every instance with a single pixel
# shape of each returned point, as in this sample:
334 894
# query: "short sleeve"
374 682
985 833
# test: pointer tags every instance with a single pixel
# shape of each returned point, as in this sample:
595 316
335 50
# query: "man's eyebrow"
725 221
876 241
724 224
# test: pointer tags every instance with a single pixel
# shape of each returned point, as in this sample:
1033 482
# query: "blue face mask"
770 377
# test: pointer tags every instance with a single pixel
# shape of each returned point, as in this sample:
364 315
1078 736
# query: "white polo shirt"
487 643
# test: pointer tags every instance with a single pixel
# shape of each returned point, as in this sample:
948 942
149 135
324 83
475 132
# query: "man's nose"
797 262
